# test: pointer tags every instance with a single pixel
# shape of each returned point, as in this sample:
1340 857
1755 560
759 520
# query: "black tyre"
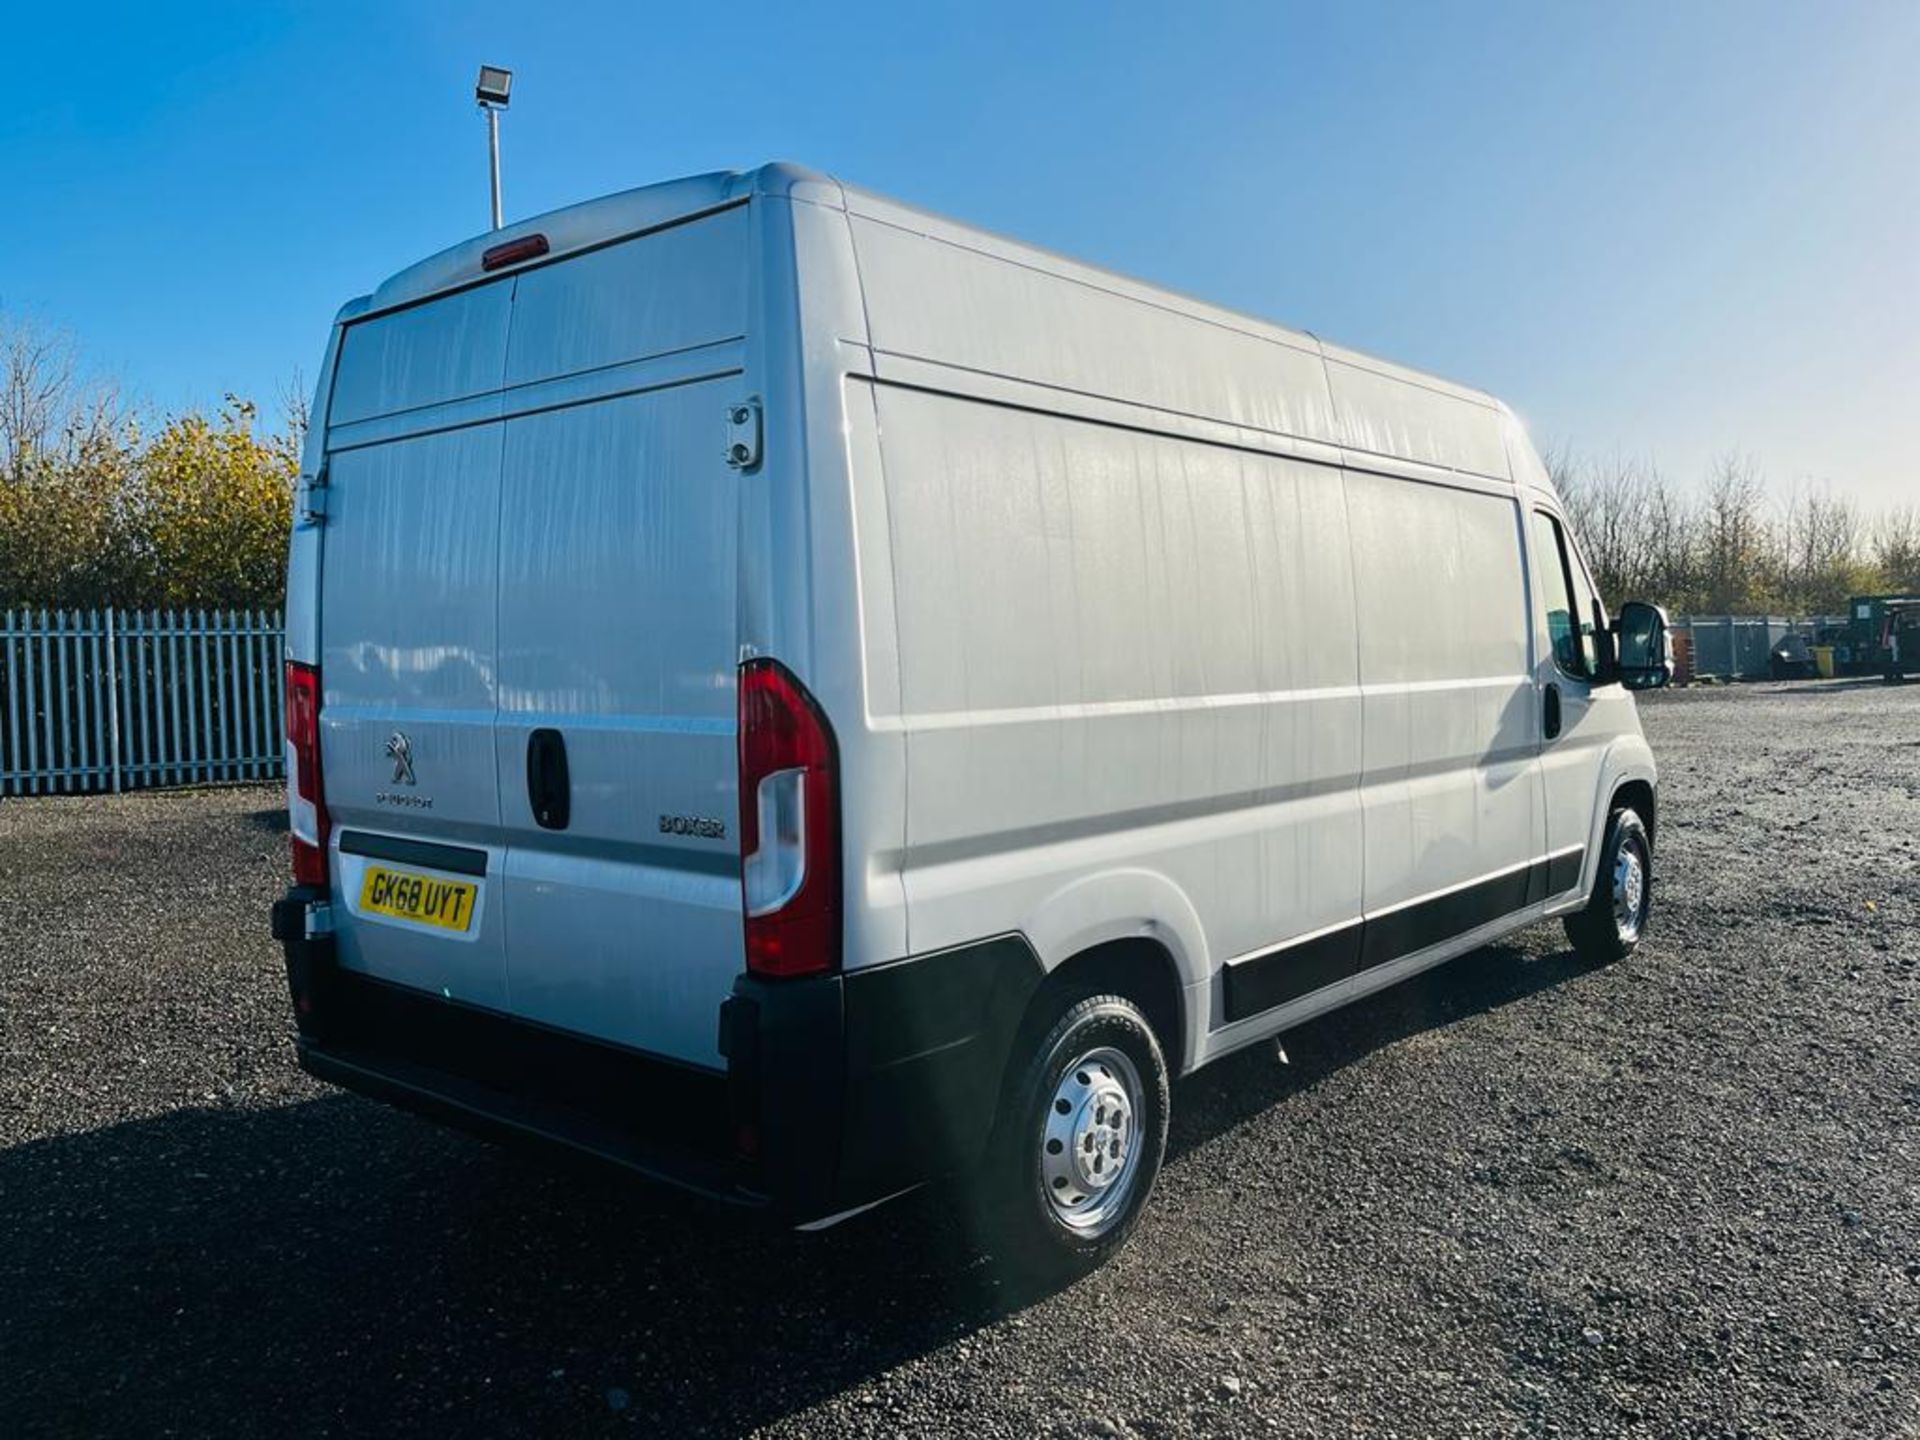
1082 1131
1616 913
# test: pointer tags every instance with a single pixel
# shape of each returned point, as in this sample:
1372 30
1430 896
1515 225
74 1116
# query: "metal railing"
94 700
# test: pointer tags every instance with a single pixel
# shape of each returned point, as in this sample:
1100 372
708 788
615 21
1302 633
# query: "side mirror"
1645 655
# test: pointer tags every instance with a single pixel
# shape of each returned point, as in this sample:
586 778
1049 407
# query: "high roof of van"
1382 407
595 222
626 212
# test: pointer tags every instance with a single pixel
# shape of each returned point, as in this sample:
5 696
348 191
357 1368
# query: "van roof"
595 222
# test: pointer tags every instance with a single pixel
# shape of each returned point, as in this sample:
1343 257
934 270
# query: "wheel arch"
1128 928
1135 967
1626 776
1638 795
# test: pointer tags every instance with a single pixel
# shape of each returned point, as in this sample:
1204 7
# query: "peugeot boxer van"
804 698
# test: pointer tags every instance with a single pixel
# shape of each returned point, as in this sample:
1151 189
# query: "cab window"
1564 599
1586 601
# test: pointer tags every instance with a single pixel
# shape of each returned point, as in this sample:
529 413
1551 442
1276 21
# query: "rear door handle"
1550 711
549 791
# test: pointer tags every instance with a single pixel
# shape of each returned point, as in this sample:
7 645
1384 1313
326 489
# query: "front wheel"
1615 916
1081 1136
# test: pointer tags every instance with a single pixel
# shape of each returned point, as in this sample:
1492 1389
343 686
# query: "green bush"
194 514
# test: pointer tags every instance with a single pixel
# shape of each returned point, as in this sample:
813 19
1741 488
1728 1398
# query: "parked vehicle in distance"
1792 658
1900 638
1875 621
803 697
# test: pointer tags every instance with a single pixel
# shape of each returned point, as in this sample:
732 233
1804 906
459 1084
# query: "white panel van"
802 697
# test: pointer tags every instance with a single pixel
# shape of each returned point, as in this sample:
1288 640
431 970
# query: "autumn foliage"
97 510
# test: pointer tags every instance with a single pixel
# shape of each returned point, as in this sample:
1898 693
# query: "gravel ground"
1518 1196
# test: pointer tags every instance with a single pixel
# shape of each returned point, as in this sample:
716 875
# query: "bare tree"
36 389
1819 551
1734 541
295 407
1672 538
1635 528
1627 511
1896 548
1563 468
48 408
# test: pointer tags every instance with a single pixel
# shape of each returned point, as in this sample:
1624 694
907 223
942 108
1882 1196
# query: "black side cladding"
1261 982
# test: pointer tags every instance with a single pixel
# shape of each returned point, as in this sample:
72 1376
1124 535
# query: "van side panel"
1386 411
1076 331
1119 651
1096 670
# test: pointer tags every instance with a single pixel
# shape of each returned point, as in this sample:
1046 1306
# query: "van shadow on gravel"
342 1267
339 1266
1248 1083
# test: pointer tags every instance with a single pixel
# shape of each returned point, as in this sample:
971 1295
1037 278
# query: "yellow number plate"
431 901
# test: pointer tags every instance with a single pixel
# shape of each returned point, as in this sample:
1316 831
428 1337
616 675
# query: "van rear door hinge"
743 434
313 498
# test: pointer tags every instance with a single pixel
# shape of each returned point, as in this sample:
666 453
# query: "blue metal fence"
95 700
1740 647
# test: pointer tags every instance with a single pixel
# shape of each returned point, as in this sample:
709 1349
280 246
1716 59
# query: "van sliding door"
1451 787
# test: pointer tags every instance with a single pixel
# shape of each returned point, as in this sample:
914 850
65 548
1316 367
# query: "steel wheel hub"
1629 890
1090 1141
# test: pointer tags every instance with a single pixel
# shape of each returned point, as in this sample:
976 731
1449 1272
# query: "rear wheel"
1616 913
1082 1131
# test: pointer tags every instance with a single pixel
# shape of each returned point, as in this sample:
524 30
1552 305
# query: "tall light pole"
492 91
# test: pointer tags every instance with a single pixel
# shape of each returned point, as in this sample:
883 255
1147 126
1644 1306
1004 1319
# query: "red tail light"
789 826
306 800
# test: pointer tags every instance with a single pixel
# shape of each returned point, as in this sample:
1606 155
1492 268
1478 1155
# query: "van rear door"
409 644
619 638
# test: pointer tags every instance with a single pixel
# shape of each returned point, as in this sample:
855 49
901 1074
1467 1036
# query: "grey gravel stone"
1394 1234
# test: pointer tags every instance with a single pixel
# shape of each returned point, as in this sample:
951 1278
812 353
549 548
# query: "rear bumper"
500 1115
838 1090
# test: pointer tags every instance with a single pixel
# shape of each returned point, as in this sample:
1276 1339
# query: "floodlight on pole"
491 92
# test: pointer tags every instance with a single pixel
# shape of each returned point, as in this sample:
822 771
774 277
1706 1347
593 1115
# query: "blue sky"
1664 229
